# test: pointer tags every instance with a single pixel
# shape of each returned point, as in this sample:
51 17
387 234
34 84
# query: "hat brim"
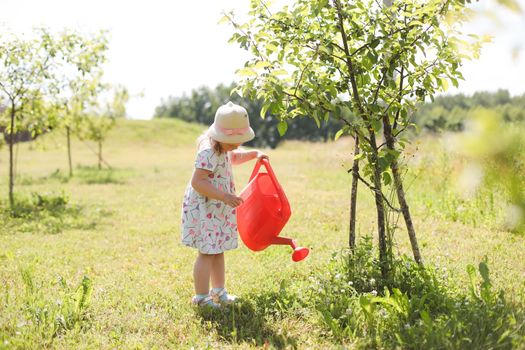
219 136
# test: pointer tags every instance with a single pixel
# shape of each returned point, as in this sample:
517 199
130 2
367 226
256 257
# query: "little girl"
209 221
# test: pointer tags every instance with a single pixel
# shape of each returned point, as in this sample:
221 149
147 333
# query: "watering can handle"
285 206
269 169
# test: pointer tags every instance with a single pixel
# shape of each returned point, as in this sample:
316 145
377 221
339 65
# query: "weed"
47 317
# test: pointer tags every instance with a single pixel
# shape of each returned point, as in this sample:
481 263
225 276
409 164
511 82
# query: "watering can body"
264 212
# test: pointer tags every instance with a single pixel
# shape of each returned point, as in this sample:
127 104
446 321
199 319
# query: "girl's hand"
232 200
262 155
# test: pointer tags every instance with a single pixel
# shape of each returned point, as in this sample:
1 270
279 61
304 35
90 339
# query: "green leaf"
279 72
444 84
504 336
403 114
223 19
264 109
513 5
247 71
317 122
376 125
425 317
359 156
366 304
270 48
383 163
282 127
262 64
471 271
83 294
484 271
338 134
387 179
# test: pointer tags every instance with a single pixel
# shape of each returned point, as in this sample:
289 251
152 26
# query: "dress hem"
210 253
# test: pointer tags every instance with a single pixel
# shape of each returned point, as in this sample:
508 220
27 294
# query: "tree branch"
401 79
373 189
349 63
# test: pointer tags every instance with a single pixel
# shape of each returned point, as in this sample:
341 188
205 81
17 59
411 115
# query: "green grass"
124 238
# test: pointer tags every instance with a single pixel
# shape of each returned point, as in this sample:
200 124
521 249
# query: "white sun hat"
231 125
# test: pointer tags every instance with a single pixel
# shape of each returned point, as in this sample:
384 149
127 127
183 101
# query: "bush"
39 205
43 213
417 307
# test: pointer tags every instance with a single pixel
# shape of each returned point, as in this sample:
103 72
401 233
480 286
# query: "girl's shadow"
249 320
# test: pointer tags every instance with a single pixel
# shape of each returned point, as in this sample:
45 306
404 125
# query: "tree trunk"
68 134
384 258
99 155
398 183
383 253
353 198
16 146
11 165
406 212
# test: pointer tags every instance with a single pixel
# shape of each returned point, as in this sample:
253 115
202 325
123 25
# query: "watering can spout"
299 253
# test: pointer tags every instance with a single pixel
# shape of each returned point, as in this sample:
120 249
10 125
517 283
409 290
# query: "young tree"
80 88
32 72
97 126
26 74
73 111
387 58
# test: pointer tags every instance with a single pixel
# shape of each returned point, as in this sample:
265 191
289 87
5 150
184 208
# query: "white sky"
167 47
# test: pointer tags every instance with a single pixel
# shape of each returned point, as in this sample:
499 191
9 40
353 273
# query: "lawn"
107 270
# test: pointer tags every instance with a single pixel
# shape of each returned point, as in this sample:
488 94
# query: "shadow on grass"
251 320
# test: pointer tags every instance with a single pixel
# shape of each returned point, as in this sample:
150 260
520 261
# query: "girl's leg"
217 271
217 280
201 273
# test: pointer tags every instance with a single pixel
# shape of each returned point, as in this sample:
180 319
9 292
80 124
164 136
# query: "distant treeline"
445 113
449 112
200 106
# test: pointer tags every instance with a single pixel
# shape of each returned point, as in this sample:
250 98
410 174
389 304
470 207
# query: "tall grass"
46 311
418 307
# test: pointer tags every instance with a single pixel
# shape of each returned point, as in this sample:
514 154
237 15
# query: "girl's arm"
240 156
200 183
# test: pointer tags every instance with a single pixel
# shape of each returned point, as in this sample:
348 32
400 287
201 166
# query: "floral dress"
208 224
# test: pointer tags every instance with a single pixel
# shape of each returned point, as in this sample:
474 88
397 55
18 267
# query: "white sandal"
223 297
207 301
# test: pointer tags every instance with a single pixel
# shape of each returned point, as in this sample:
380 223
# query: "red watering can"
264 212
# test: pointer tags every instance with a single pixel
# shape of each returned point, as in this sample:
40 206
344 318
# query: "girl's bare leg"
217 271
201 273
